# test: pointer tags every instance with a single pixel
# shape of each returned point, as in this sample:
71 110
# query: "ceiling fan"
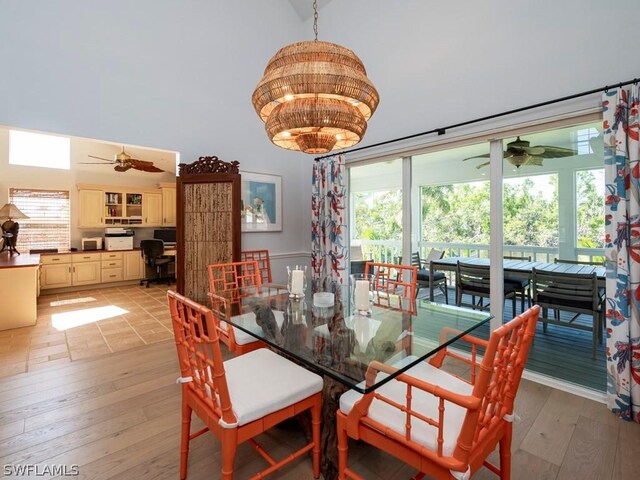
519 153
123 162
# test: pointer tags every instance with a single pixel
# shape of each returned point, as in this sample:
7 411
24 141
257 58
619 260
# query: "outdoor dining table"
515 268
339 345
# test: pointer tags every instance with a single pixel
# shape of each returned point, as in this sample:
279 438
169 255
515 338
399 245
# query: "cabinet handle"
69 269
112 264
111 276
86 258
74 269
55 259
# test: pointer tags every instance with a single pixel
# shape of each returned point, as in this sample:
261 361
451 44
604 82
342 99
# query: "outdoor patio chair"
570 292
474 280
440 424
422 280
522 285
240 398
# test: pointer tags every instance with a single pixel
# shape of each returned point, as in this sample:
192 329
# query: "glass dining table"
339 345
332 341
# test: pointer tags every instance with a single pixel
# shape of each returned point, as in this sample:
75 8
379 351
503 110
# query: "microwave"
118 243
92 243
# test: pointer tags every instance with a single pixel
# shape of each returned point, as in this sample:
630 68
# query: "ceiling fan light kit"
315 97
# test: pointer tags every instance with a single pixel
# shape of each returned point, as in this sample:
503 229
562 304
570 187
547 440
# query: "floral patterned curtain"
328 224
622 245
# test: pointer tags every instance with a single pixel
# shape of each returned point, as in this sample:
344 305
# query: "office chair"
153 253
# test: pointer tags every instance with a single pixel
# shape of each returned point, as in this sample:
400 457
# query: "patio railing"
387 251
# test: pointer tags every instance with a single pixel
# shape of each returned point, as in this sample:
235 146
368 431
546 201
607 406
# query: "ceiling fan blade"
486 155
122 168
555 152
535 161
144 166
100 158
538 150
483 164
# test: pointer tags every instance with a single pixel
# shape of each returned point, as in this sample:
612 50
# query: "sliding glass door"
551 209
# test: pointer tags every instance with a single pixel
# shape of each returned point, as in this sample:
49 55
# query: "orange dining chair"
229 284
240 398
441 424
264 264
391 287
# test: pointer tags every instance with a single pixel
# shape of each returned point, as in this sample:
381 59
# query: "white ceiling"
304 8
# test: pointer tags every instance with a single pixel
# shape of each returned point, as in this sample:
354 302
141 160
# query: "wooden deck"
563 353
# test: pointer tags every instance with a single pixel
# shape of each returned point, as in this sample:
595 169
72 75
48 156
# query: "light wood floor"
117 417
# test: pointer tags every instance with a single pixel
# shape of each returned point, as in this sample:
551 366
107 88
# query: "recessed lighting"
288 97
286 134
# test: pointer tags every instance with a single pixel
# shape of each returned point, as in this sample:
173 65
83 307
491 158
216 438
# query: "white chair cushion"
422 402
262 382
248 320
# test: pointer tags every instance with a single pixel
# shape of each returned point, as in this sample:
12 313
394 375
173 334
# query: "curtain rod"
442 130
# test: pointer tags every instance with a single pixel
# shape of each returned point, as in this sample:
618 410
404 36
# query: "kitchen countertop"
137 249
17 261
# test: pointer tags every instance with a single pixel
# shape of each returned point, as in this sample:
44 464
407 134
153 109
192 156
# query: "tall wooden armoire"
208 222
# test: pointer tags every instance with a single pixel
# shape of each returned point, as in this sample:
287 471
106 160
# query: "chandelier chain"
315 19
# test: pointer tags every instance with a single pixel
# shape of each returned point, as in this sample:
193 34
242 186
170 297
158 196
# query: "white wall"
440 63
179 75
175 75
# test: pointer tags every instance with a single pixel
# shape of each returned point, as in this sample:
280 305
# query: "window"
48 222
376 214
38 150
590 208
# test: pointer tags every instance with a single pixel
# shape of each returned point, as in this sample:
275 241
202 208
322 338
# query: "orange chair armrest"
467 401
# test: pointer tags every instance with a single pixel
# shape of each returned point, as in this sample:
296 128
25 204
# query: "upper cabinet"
91 208
168 207
104 206
152 209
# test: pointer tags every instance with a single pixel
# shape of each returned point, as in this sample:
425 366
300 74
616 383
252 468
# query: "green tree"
590 211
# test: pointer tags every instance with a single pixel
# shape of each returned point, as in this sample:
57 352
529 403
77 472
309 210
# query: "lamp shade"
315 97
12 212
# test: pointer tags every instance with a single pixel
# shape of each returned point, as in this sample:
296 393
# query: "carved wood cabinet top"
209 164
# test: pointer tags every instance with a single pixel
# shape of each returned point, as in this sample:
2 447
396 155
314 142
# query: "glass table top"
334 342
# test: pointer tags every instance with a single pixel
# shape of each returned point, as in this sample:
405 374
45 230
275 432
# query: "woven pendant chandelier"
315 96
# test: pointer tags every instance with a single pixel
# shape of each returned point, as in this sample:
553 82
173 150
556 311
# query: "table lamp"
10 227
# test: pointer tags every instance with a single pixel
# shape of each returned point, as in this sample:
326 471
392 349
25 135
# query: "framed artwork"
261 204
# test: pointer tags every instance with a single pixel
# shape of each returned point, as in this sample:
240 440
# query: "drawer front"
112 275
111 256
53 259
112 264
85 257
